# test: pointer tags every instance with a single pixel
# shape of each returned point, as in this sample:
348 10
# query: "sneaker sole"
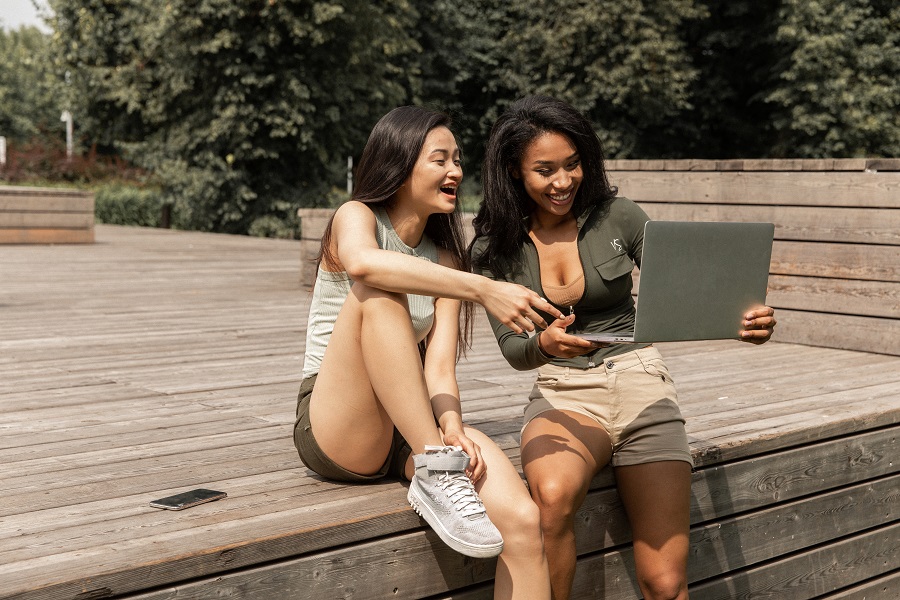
461 546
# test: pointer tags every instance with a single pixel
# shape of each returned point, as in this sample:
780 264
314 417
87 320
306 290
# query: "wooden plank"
13 190
405 566
867 334
880 588
763 164
47 236
808 575
734 543
805 470
874 190
313 222
205 548
842 261
34 202
799 577
862 298
46 220
826 224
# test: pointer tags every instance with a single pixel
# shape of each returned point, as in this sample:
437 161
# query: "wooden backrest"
835 274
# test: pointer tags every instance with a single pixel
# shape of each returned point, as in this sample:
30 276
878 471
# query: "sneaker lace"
461 492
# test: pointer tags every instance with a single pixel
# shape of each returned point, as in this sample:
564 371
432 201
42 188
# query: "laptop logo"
617 245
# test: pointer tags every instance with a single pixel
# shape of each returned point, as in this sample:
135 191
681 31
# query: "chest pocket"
615 267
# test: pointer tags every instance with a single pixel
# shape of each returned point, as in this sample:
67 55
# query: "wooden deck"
155 361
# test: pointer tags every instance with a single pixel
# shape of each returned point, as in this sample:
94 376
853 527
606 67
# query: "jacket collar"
584 216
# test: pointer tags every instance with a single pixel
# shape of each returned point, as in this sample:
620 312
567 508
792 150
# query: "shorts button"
610 364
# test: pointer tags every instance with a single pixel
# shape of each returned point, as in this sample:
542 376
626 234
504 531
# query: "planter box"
46 216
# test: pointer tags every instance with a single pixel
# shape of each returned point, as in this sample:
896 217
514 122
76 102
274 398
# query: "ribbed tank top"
332 287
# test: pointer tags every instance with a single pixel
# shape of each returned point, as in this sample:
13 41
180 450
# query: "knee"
521 530
556 501
664 585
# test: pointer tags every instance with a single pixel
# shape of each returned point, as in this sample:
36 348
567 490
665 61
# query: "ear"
515 172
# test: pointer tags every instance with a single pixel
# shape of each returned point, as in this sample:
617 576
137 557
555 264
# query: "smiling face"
550 171
436 176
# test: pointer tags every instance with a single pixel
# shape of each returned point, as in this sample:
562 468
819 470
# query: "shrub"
123 204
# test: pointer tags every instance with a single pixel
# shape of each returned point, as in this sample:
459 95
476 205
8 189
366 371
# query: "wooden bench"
174 378
835 274
46 216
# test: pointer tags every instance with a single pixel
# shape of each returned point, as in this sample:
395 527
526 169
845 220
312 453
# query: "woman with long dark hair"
379 395
551 221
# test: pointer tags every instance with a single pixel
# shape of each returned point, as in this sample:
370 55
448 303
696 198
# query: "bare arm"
353 232
440 376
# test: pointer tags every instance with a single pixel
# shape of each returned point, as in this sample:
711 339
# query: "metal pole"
349 174
67 119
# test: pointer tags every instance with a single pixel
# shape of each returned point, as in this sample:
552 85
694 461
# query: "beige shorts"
631 395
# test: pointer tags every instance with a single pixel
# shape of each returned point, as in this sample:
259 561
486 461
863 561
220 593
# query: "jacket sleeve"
633 218
520 350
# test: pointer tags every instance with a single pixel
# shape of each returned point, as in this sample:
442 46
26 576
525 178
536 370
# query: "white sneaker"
443 495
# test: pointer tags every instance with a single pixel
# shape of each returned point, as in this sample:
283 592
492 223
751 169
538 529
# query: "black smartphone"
187 499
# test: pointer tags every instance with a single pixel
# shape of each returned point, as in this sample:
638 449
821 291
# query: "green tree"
624 64
458 64
29 86
246 109
838 87
734 50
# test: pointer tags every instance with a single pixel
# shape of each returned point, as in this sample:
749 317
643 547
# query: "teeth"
560 197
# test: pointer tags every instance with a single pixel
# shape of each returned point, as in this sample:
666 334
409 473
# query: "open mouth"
561 198
449 190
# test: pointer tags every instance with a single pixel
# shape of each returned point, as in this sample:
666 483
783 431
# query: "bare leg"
370 380
522 567
561 453
656 497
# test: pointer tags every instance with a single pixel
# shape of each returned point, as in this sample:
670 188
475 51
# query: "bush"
122 204
43 159
272 227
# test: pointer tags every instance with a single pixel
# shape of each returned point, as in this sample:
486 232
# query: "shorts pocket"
546 381
658 368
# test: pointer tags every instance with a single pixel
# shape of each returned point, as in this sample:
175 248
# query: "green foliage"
29 87
838 89
246 108
121 204
734 50
624 65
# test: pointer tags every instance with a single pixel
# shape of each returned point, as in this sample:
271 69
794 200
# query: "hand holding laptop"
555 341
758 325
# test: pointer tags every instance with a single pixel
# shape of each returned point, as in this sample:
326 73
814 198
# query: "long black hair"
505 208
386 163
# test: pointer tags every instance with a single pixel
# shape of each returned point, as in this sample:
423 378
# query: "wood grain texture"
43 235
861 189
156 361
858 225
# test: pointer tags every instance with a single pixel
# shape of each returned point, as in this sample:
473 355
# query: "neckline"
385 220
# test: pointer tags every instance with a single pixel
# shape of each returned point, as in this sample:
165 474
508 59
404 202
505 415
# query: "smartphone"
187 499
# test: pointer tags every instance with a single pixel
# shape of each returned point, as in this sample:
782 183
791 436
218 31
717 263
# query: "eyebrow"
444 151
550 162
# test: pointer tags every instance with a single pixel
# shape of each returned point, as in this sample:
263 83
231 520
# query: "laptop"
698 280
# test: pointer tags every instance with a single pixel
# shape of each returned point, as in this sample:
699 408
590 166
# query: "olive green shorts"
316 460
